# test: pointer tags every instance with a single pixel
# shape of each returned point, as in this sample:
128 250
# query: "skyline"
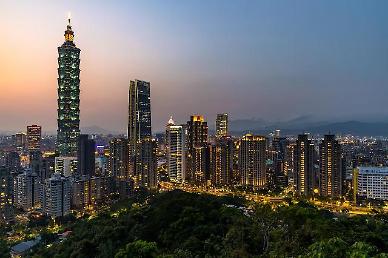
257 58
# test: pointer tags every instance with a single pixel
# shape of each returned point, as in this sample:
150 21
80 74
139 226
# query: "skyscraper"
304 165
139 116
27 190
197 150
252 157
20 141
330 181
86 156
68 95
176 151
146 163
118 159
222 125
34 136
221 161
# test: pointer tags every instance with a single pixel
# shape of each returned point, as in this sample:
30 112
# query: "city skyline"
268 54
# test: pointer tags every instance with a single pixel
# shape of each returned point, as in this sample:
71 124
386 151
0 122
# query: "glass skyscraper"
68 95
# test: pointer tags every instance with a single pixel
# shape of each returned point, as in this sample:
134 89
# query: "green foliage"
179 224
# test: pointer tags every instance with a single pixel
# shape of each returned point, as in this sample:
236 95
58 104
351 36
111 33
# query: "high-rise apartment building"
222 125
304 165
6 186
176 151
330 179
56 196
221 161
197 150
68 95
34 136
86 156
27 191
252 160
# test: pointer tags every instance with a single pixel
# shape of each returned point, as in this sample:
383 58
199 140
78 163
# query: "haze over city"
252 59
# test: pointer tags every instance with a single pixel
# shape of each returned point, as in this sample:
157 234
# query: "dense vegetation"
179 224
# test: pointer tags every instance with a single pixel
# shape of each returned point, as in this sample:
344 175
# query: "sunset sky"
275 60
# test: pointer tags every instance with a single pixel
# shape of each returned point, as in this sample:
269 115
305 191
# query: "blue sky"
275 60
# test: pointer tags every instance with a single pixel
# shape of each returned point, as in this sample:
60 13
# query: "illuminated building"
66 166
371 182
279 149
68 95
330 181
222 125
176 151
146 163
86 156
27 190
34 136
118 159
20 141
221 161
6 186
12 161
139 118
56 196
252 158
304 165
197 169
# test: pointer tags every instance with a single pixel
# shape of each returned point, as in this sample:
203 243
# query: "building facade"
330 176
176 151
68 95
252 160
86 156
371 183
304 165
56 196
34 136
222 125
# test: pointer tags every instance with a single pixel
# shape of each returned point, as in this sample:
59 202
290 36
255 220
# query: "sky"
274 60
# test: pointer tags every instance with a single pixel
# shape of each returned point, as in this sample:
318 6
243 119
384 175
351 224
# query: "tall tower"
68 95
221 125
139 118
34 135
330 183
197 150
176 151
252 157
304 165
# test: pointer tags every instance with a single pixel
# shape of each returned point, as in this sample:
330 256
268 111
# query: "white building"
371 182
66 166
27 190
57 196
175 146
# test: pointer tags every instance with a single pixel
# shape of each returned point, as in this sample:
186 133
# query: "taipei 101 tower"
68 95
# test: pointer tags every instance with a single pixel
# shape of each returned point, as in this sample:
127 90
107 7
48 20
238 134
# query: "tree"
138 249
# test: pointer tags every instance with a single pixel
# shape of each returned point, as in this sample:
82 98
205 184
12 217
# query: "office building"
139 118
330 180
34 137
6 190
304 165
222 125
252 160
146 164
68 95
279 159
20 142
56 196
86 156
176 151
371 183
118 159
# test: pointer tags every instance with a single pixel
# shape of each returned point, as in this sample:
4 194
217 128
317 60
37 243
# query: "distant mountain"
316 127
98 130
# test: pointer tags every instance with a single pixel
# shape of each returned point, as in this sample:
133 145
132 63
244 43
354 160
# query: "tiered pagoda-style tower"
68 95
